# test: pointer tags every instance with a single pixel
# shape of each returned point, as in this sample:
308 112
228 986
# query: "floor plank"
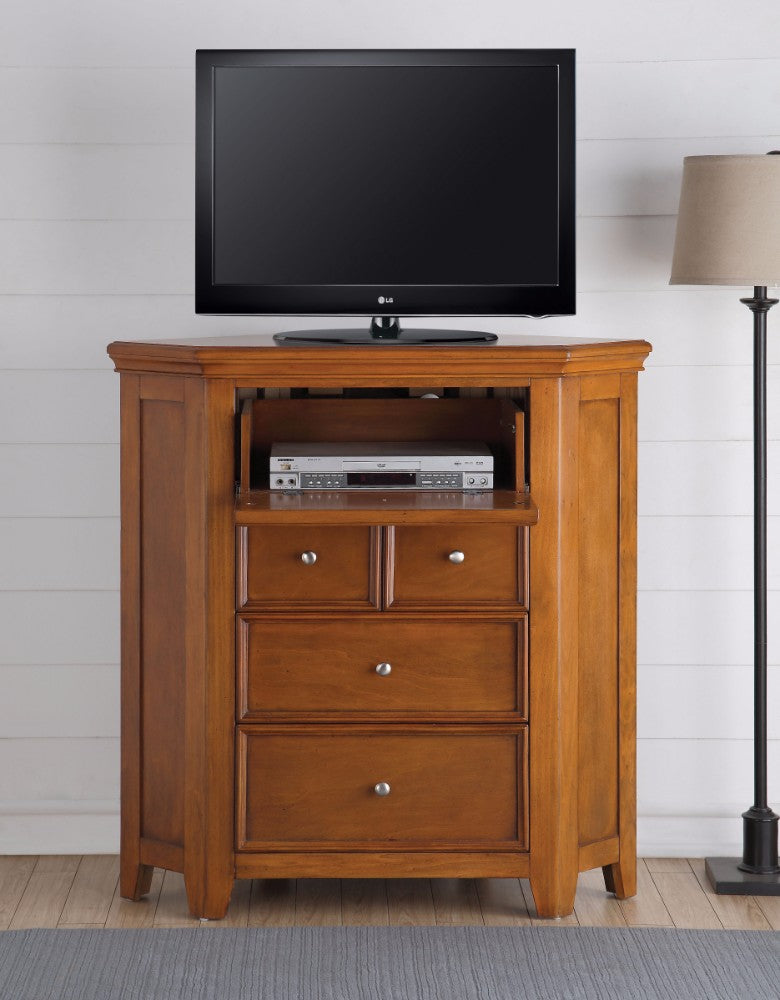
536 920
272 902
364 902
770 907
43 899
172 909
410 902
685 900
92 892
646 909
736 913
127 913
455 902
15 872
668 865
502 902
593 906
318 902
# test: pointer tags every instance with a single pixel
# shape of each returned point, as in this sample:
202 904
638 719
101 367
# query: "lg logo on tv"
382 300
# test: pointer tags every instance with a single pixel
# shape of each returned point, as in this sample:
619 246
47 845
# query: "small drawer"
379 666
359 786
468 566
308 567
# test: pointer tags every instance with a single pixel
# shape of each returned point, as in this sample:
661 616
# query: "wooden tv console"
444 684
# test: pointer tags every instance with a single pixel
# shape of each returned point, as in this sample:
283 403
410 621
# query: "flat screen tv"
385 184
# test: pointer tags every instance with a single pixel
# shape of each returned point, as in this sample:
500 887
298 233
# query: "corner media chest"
347 684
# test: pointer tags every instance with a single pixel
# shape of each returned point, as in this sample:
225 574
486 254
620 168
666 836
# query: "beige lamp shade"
728 225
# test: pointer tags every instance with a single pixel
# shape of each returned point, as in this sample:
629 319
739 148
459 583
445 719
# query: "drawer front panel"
308 567
378 665
469 566
344 786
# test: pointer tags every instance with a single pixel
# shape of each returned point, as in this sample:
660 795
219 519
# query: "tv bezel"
363 300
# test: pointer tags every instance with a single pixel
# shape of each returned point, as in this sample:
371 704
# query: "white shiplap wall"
96 191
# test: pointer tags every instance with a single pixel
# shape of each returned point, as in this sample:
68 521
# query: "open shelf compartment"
498 422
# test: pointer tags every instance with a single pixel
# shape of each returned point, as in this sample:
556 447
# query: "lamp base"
728 879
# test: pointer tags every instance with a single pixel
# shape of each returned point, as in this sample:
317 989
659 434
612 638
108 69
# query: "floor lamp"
728 233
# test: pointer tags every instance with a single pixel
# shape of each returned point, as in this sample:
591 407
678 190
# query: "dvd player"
385 465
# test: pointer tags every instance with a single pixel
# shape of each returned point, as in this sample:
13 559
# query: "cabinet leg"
620 878
554 897
208 900
135 880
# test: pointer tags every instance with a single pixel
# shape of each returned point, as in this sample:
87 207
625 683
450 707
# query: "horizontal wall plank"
703 477
48 181
149 33
642 176
109 104
75 627
677 99
700 627
702 702
64 258
29 831
156 256
33 770
700 777
687 326
59 407
615 100
41 553
59 480
615 177
702 553
707 403
59 701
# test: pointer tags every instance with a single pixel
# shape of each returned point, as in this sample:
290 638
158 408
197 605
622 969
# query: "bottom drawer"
375 787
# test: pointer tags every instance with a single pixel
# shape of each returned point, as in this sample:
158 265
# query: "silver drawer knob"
383 669
382 788
457 556
308 558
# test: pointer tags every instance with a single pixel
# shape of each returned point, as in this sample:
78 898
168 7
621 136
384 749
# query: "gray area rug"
380 963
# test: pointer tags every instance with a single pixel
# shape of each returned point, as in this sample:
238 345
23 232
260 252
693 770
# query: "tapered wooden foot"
210 900
554 897
620 878
135 881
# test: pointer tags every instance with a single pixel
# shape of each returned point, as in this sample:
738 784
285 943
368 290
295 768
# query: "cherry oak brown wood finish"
276 571
448 787
318 669
421 573
569 794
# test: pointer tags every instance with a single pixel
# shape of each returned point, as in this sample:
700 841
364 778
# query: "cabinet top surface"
260 356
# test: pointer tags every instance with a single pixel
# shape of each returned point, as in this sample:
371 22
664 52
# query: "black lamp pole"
758 872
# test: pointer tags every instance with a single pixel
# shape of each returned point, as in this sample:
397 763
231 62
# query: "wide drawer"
308 566
458 566
378 667
352 785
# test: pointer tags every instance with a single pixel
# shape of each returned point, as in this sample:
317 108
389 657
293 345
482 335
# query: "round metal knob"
308 558
457 556
383 669
382 788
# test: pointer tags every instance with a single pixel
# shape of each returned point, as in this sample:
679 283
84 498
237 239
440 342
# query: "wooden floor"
73 891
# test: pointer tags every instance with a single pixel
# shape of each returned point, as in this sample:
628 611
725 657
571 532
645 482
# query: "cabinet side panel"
599 432
163 620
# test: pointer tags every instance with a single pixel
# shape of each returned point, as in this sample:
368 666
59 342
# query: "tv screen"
385 183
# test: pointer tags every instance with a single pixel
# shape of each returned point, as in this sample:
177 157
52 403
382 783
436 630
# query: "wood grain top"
260 359
385 507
